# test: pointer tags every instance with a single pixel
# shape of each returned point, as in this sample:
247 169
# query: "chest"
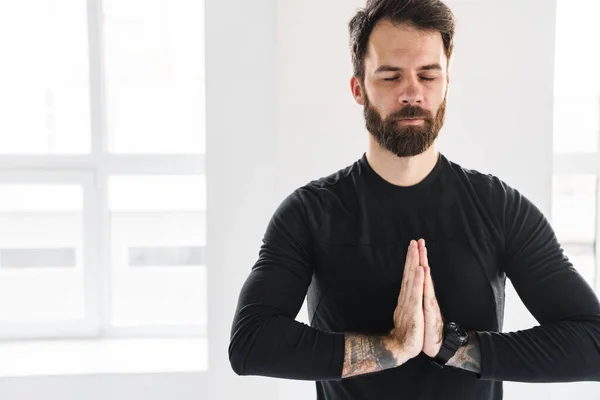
360 283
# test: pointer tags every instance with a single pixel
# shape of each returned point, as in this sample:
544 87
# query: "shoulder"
485 185
335 179
310 200
336 184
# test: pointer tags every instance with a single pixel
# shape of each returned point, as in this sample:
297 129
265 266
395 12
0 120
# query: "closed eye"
395 77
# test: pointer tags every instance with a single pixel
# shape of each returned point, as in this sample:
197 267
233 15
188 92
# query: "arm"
266 339
468 357
367 354
565 347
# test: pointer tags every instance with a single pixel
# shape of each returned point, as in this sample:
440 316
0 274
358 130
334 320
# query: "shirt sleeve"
265 337
565 347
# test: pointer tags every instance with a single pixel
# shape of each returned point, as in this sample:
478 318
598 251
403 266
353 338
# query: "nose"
412 93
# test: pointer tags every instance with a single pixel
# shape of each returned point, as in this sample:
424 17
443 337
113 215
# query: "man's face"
404 89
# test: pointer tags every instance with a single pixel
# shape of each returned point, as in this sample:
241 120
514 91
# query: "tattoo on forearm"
468 357
365 354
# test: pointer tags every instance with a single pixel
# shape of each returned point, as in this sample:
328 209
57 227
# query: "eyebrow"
389 68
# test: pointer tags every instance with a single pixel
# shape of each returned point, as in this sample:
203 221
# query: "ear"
357 90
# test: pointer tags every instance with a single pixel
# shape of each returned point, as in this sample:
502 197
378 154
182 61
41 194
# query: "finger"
429 293
423 253
433 316
430 302
416 297
408 260
427 290
408 269
417 288
412 292
412 258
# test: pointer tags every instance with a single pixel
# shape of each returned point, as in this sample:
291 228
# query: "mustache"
410 112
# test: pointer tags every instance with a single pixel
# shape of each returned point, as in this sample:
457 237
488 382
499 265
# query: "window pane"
23 258
574 208
41 270
154 61
157 243
576 94
44 80
576 24
173 255
576 123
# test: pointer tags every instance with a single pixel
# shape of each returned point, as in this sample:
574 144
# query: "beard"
405 140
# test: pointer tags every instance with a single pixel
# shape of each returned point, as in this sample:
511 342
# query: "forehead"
403 46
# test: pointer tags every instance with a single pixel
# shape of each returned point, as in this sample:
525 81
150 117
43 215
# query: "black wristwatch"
454 338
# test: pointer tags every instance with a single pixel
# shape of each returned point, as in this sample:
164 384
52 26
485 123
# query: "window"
102 175
575 201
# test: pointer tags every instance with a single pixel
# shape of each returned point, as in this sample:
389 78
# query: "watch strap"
447 351
450 345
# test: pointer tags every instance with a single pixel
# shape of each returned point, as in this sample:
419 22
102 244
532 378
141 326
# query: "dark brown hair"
427 15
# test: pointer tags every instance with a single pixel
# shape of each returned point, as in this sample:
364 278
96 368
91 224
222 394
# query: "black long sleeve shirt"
342 240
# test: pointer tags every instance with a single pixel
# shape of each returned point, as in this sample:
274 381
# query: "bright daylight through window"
575 198
102 177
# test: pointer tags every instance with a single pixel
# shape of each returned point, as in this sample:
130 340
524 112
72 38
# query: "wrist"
398 350
469 356
453 340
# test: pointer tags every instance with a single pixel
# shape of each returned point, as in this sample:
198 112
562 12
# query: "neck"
401 171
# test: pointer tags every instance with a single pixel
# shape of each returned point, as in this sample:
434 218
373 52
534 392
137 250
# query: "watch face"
461 334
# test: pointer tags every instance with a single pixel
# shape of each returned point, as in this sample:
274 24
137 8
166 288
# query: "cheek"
374 101
385 104
434 100
386 110
442 93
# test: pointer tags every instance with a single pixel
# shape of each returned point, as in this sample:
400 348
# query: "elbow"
593 325
236 359
247 347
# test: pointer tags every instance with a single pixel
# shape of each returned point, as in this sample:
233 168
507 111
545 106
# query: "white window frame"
92 171
583 164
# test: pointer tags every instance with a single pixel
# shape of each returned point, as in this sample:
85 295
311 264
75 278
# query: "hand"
409 322
434 323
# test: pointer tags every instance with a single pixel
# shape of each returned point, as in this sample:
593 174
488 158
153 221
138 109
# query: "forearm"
366 354
280 347
561 351
468 357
